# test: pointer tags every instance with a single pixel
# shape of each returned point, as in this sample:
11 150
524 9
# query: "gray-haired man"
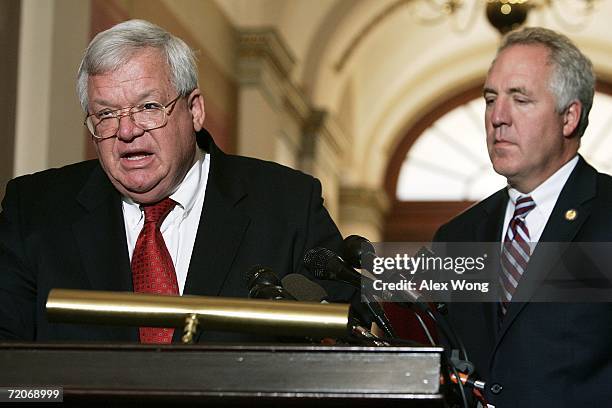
531 353
163 210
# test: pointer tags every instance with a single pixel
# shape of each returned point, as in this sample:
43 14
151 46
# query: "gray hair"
113 48
572 77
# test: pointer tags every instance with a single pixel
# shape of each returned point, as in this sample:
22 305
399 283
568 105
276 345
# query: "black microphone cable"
303 289
355 249
360 252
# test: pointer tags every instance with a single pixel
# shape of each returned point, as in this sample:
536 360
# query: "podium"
225 375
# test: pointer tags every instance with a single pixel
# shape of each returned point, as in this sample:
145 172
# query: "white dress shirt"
180 227
545 196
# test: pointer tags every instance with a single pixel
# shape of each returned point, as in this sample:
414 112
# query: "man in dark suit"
532 352
83 226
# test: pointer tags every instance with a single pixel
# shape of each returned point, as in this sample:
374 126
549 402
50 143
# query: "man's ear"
195 103
571 118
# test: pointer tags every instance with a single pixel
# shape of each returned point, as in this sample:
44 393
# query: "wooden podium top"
266 375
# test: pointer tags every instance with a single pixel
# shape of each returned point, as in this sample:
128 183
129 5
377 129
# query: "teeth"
137 157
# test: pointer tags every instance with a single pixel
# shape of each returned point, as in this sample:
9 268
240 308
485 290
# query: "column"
49 130
362 212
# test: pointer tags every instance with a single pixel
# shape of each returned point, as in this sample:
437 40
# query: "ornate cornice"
322 127
266 44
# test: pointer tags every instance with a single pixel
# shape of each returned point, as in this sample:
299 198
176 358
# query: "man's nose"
500 113
128 130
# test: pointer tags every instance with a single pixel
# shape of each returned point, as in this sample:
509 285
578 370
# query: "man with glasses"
162 210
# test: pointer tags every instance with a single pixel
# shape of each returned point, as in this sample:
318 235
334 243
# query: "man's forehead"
149 61
511 82
105 91
141 85
143 74
522 55
519 65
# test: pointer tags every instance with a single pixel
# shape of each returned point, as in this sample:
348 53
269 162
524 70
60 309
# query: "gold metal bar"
282 318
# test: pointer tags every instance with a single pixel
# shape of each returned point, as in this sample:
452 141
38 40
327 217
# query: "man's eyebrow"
100 102
519 89
142 97
487 90
514 90
148 95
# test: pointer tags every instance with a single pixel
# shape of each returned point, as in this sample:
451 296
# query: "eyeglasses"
147 116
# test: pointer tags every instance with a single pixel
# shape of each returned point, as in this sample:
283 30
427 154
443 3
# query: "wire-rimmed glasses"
147 116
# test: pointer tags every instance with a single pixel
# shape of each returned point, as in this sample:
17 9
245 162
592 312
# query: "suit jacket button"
496 388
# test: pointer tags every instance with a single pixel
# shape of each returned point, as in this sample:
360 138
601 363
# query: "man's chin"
506 171
147 197
143 193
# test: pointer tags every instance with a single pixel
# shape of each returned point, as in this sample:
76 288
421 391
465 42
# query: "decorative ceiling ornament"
503 15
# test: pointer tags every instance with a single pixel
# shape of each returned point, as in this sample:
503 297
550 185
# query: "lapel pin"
571 214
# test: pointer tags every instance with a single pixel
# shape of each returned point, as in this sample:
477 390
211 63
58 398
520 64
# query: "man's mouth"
136 157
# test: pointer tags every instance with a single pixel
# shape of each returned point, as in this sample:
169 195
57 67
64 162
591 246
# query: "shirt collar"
185 195
545 195
187 192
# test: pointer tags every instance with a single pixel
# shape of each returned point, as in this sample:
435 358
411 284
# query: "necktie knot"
156 213
524 205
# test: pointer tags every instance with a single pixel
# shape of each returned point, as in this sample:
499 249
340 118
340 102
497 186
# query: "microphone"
357 249
359 252
303 289
264 284
324 264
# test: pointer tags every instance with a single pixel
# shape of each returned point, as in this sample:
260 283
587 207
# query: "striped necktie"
516 251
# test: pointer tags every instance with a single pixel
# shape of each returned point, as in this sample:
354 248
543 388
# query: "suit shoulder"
267 171
71 171
476 210
604 187
466 220
55 181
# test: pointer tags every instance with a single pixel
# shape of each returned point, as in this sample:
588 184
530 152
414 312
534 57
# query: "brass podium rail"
282 318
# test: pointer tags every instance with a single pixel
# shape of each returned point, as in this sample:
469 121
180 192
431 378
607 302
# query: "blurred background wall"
379 99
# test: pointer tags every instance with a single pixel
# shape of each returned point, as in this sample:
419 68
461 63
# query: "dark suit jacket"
544 354
63 228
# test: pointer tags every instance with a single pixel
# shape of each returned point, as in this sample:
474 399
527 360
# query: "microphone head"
262 283
325 264
317 260
354 248
261 275
303 289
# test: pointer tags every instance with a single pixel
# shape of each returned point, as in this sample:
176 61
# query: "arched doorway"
441 166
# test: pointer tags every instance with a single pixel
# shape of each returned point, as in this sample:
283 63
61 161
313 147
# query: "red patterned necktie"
152 267
516 251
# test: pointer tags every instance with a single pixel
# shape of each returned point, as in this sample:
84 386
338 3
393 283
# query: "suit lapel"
579 189
490 231
100 235
222 225
493 220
